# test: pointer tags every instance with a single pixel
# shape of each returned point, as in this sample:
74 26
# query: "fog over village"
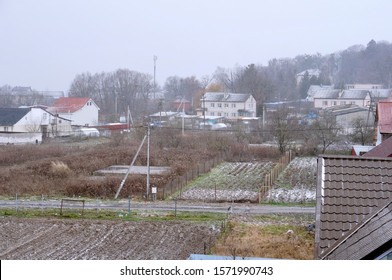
204 130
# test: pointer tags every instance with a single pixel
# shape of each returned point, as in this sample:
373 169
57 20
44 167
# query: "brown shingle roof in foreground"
351 192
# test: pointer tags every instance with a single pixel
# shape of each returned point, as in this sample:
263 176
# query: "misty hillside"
273 82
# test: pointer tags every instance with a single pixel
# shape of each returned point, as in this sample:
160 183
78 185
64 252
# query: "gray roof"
225 97
346 109
327 93
353 194
380 93
10 116
353 94
313 89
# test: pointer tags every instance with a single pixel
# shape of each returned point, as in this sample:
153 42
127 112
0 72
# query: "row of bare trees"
115 91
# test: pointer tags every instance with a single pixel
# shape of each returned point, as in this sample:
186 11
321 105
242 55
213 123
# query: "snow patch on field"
296 195
220 195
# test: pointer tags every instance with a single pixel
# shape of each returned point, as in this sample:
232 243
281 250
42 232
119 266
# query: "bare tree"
281 128
114 92
325 131
362 132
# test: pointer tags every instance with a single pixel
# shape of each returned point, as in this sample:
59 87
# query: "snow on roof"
327 93
311 72
354 94
225 97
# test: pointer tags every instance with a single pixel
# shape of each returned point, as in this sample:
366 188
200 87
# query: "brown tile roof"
350 190
373 232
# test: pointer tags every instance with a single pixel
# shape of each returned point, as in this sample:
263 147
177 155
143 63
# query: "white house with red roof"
81 111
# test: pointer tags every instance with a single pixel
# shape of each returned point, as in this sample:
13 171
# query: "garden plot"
56 239
229 181
297 183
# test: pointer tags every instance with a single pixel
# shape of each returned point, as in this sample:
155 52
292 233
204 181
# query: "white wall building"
81 111
228 105
24 125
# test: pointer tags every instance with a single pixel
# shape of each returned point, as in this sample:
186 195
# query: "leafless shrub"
59 169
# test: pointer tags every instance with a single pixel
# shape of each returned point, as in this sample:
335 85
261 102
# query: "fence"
270 178
177 184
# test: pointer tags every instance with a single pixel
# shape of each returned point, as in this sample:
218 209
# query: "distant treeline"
115 91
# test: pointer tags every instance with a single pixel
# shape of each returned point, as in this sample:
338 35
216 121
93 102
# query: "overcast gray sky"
45 43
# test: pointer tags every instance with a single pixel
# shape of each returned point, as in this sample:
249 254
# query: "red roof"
69 104
382 150
384 116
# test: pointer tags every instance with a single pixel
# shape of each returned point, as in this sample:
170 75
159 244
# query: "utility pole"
148 161
204 110
155 67
183 120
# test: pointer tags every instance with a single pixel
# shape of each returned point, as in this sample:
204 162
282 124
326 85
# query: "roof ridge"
355 229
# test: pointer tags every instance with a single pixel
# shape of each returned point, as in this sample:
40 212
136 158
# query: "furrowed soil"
60 239
272 236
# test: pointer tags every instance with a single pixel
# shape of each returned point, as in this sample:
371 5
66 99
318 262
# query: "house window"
212 114
325 103
233 105
212 105
335 103
233 114
219 114
6 129
352 102
220 105
226 105
226 114
44 116
342 102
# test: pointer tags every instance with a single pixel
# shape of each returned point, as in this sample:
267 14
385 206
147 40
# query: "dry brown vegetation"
54 169
268 239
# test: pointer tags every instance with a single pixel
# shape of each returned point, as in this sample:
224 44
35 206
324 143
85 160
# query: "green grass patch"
288 204
114 215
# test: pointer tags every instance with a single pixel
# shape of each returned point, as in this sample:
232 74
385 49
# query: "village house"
307 73
346 115
30 125
357 94
313 89
228 105
334 97
81 111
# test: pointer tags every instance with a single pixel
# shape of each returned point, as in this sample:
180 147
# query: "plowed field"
46 239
